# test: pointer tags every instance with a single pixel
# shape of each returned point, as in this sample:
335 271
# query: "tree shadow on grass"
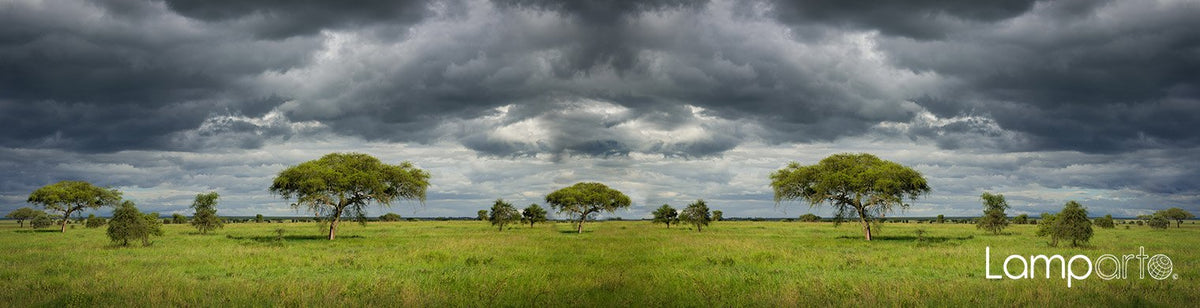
573 231
38 231
909 238
272 238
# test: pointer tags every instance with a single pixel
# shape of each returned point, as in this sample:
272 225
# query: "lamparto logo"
1107 266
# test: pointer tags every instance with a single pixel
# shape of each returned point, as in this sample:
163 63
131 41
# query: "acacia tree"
389 217
23 214
665 215
696 214
205 219
503 213
585 199
69 197
854 184
994 220
533 214
341 184
1176 214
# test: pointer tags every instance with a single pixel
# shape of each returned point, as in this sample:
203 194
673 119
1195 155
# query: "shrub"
1072 224
41 221
1159 222
1105 222
810 217
390 217
1021 219
94 222
129 224
994 220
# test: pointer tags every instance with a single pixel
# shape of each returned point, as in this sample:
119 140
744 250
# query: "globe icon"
1159 266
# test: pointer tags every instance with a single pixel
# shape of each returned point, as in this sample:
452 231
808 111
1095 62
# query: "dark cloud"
1109 78
276 19
924 19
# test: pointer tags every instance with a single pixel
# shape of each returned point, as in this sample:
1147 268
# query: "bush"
810 218
41 221
94 222
390 217
1159 222
129 224
1072 224
1105 222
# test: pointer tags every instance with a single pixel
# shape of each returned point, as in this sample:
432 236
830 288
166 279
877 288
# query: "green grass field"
628 263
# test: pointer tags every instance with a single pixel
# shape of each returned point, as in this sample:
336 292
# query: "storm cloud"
1037 98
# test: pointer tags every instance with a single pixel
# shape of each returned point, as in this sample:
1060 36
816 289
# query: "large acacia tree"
586 199
859 185
344 184
69 197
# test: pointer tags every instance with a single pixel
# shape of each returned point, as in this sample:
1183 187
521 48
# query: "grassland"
629 263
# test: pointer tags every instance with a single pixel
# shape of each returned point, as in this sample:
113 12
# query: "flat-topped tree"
855 184
69 197
585 199
665 215
344 184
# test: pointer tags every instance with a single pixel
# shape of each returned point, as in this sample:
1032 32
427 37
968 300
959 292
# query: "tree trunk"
862 217
698 228
333 227
530 224
66 216
579 227
668 225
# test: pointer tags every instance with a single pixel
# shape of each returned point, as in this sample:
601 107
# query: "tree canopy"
130 224
665 214
696 214
503 213
205 218
68 197
854 184
23 214
344 184
389 217
585 199
533 214
994 220
1176 214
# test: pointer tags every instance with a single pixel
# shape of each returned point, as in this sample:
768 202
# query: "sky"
667 101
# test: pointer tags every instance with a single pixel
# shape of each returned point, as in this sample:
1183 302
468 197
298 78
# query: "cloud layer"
669 100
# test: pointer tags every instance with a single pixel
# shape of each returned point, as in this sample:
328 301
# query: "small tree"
994 220
665 215
129 224
586 199
258 218
718 215
481 215
1073 224
941 219
1021 219
41 221
533 214
696 214
23 214
503 213
859 185
389 217
1046 227
344 184
94 222
178 219
1176 214
69 197
1106 222
153 224
809 218
205 219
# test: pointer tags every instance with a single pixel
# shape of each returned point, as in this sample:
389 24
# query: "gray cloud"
671 100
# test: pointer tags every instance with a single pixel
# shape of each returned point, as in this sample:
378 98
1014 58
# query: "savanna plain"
613 263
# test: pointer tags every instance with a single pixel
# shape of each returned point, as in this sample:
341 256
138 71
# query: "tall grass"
630 263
